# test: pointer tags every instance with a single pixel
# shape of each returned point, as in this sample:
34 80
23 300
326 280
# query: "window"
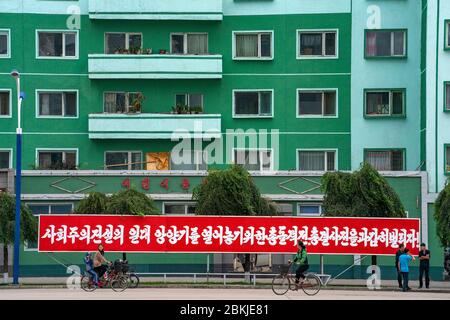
385 160
317 44
385 43
189 43
447 159
57 44
312 160
447 34
125 160
189 99
4 44
447 96
178 208
5 103
58 104
119 102
5 159
309 209
317 103
253 103
385 103
57 160
115 42
254 160
253 45
284 209
37 209
189 160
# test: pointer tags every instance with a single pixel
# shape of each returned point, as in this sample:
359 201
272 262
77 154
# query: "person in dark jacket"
401 249
424 266
301 260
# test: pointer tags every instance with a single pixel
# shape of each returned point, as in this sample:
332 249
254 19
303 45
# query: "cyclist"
99 261
301 259
89 263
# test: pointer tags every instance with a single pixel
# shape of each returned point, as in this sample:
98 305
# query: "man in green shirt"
301 261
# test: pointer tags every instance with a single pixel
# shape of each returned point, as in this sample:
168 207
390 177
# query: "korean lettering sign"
380 236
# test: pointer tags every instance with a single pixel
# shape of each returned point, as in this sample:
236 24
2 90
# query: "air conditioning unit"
7 180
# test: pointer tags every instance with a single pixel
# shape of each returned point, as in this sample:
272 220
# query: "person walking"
399 252
424 266
403 265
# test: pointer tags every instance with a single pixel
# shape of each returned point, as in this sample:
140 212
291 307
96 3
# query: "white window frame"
62 91
259 150
186 204
25 244
57 150
315 90
322 31
336 158
129 158
259 104
391 100
127 99
8 44
127 39
390 150
10 150
258 32
185 42
187 97
392 55
10 103
309 204
447 35
204 157
63 57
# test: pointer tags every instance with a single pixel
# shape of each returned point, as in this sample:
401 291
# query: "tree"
131 202
231 192
442 216
363 193
94 203
28 224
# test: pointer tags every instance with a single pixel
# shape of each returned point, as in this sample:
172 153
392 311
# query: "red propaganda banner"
234 234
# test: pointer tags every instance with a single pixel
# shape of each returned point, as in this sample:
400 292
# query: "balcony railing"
156 9
154 66
154 126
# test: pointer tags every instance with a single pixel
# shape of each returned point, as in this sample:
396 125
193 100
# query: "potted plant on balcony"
147 51
136 104
196 109
180 109
162 51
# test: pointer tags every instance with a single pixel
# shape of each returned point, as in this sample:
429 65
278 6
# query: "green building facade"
298 86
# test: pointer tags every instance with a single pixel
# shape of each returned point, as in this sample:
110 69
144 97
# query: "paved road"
212 294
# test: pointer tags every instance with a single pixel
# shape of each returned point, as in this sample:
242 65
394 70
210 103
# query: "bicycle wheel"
119 284
133 281
311 284
280 284
87 284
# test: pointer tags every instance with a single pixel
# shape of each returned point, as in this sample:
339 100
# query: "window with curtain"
311 160
253 45
254 160
385 43
57 44
317 43
119 102
254 103
4 43
316 103
447 159
448 34
189 160
126 160
179 208
447 96
5 157
385 160
5 108
115 41
385 103
57 160
58 104
189 43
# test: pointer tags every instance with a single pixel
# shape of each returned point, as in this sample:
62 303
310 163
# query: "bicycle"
118 282
285 281
132 278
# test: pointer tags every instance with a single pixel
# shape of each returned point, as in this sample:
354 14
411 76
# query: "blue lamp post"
16 75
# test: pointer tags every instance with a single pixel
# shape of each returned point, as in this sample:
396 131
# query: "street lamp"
16 75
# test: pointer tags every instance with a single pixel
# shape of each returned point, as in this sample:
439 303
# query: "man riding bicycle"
301 259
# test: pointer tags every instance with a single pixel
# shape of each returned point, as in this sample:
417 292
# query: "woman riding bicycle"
99 261
301 259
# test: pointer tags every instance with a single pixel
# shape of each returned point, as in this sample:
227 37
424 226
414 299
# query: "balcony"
154 66
156 9
154 126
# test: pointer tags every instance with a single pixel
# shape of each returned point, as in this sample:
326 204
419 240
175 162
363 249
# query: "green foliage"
231 192
28 222
94 203
442 216
363 193
131 202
